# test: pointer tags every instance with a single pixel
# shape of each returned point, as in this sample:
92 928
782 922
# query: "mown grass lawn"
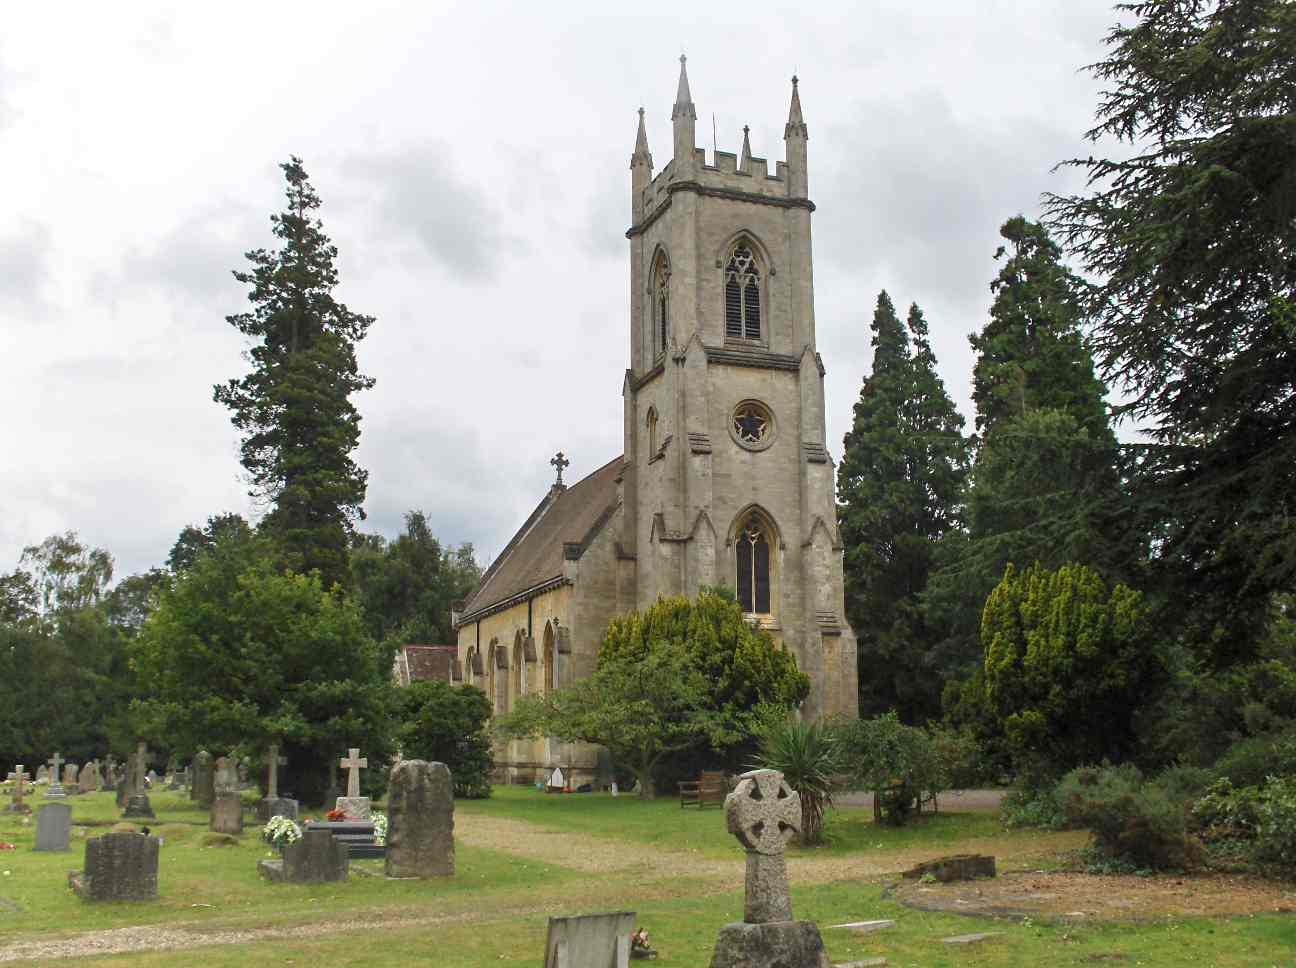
494 911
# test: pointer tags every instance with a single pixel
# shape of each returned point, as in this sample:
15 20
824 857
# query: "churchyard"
523 856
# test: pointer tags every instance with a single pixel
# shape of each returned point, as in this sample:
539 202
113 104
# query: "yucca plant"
808 756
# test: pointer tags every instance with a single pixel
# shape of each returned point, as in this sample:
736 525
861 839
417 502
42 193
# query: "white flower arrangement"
281 831
380 829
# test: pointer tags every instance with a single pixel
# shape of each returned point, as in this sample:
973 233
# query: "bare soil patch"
1079 896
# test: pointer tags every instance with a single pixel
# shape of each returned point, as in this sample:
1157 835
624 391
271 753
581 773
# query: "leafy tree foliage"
669 679
898 487
447 724
1193 232
406 587
809 757
64 684
294 410
239 654
194 541
1066 663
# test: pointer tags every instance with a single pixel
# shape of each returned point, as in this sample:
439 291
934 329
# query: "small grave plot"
1072 895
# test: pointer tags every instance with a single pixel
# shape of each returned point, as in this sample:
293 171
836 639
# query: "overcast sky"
473 163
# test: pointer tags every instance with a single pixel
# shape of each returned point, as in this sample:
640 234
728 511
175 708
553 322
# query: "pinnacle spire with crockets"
795 123
683 99
641 153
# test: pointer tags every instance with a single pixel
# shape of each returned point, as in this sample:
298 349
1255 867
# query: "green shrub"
1227 813
1024 807
809 757
1251 761
1185 784
1131 819
1276 826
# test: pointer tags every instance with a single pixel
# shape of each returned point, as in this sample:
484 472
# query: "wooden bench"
707 789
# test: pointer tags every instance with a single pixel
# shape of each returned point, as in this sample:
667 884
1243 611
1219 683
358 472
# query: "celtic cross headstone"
764 813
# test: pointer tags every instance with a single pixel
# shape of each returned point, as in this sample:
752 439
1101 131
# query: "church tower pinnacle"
684 120
641 165
795 136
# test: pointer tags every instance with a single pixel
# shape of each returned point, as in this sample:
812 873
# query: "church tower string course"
724 479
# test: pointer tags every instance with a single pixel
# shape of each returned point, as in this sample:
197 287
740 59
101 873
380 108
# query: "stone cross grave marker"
353 764
55 789
764 813
141 767
276 761
18 777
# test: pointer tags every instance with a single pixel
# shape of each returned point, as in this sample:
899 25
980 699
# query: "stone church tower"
724 478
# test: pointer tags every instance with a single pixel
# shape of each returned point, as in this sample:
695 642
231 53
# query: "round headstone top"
763 812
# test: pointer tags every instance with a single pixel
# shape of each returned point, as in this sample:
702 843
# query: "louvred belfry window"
742 295
661 303
753 578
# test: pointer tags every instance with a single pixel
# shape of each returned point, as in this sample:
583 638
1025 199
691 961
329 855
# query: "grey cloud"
25 270
419 196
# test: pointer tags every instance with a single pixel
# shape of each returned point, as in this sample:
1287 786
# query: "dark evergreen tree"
194 541
1044 487
1193 233
898 487
294 409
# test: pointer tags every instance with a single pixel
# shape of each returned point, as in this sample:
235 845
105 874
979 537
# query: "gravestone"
203 789
273 805
589 940
353 805
125 785
420 820
110 773
88 781
314 859
764 813
71 782
226 777
42 774
19 779
227 814
151 777
118 867
53 826
138 804
55 788
358 836
557 782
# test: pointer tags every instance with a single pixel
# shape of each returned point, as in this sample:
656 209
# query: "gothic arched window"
661 304
652 432
742 294
549 656
752 554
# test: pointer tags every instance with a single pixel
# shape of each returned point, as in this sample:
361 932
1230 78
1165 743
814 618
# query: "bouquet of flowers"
281 831
380 828
337 815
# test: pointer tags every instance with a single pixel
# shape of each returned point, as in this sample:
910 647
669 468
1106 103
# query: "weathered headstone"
53 826
353 805
110 777
227 814
420 820
314 859
764 813
88 781
557 782
71 782
42 774
226 778
138 805
590 939
19 780
55 789
203 789
118 867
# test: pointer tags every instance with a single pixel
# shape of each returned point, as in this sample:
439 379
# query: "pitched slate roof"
534 556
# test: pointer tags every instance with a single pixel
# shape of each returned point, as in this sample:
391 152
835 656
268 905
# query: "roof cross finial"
560 462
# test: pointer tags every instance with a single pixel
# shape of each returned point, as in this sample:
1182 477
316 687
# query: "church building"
724 479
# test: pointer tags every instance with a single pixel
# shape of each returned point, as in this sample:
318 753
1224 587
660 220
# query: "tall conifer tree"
902 470
294 409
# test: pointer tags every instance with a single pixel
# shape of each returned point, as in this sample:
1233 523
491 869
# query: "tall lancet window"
742 294
661 305
752 548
